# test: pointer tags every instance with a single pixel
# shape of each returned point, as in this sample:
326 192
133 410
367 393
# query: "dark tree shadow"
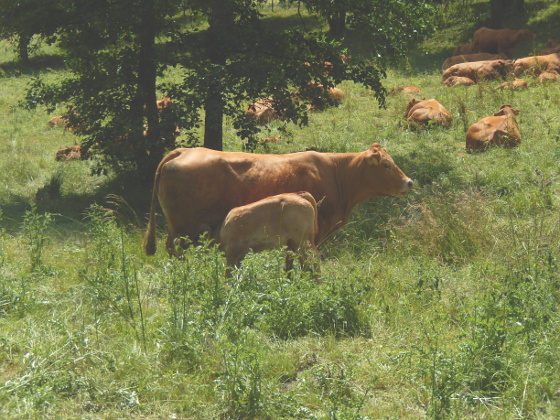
33 66
124 195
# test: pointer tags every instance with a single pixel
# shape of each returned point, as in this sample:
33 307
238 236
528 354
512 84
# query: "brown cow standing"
501 129
421 112
478 70
198 187
284 220
500 41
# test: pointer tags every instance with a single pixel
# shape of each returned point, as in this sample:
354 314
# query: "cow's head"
383 176
525 35
503 67
410 104
506 110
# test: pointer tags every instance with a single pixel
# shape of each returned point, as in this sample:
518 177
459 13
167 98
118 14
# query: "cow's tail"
150 236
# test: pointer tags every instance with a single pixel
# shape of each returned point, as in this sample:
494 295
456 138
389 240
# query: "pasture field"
441 304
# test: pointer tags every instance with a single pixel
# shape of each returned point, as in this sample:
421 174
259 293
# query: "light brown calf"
514 84
500 129
458 81
546 77
285 220
405 90
263 111
65 154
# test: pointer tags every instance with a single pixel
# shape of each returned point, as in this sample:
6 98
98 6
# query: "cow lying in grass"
480 70
537 64
468 58
284 220
458 81
422 112
500 129
514 84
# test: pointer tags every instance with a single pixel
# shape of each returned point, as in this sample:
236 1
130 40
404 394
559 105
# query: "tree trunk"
213 120
145 103
220 30
497 10
337 24
23 51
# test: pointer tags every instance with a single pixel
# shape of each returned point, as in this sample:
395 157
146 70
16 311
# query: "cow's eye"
387 165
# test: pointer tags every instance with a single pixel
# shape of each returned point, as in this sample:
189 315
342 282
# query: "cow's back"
499 40
200 187
498 130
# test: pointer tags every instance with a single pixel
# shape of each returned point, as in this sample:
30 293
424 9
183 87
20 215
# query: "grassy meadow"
441 304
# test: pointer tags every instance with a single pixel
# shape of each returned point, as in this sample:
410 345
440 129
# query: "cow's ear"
373 155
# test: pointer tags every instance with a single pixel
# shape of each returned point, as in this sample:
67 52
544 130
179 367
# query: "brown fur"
500 41
463 49
420 112
545 77
405 90
458 81
285 220
500 129
514 84
537 64
478 70
164 102
263 111
470 58
65 154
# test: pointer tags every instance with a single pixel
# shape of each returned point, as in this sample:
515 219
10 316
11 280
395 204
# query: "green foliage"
114 281
21 20
35 226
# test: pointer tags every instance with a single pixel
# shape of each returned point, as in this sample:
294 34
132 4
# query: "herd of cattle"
486 58
247 201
